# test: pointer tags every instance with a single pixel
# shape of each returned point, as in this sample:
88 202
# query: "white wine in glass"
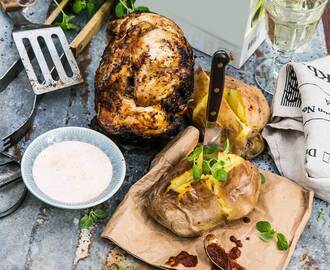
290 26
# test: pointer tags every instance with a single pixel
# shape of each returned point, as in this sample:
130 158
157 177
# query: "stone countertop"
39 236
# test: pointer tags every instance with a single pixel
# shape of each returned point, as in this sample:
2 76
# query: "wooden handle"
52 17
9 5
85 35
217 82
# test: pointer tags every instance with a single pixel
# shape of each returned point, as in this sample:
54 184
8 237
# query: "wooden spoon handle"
86 34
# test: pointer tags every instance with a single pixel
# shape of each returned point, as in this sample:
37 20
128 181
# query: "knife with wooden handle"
217 82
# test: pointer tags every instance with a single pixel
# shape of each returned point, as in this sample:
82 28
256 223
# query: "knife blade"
212 133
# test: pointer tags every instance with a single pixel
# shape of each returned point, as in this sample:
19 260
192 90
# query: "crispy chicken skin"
145 78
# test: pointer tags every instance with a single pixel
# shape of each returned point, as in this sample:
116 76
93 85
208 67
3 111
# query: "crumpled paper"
283 203
298 132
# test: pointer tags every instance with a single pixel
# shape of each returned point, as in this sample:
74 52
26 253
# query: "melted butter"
182 183
72 171
230 160
235 101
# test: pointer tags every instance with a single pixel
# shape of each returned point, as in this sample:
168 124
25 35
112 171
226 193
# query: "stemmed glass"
290 26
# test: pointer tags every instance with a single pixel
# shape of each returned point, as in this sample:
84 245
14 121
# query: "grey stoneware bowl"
74 134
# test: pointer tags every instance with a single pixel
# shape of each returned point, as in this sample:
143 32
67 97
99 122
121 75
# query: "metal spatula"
45 52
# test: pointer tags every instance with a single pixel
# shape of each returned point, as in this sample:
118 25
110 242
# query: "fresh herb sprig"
267 233
124 7
320 217
262 178
66 24
209 162
92 217
81 5
78 7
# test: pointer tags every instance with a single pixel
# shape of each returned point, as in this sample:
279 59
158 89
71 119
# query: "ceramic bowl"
74 134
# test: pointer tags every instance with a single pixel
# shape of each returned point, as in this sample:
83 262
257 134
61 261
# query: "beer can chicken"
145 77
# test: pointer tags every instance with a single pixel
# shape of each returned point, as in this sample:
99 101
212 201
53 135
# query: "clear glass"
290 26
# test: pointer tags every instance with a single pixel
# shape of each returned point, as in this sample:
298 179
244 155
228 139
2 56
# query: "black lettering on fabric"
291 96
319 74
311 152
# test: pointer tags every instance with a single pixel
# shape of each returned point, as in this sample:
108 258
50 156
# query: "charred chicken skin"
145 78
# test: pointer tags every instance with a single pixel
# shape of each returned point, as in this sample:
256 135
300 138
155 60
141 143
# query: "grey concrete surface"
40 237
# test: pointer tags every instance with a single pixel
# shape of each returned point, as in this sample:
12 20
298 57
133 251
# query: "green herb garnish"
81 5
226 148
262 178
122 268
282 243
267 236
210 163
66 24
78 7
267 233
196 172
211 149
263 226
125 7
194 155
220 174
205 167
92 217
320 217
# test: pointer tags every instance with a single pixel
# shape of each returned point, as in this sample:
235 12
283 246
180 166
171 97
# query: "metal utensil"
217 81
17 66
8 177
48 43
224 264
77 46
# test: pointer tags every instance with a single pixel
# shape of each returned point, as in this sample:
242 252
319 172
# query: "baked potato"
201 192
243 114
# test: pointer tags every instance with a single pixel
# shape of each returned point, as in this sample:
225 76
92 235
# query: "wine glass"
290 26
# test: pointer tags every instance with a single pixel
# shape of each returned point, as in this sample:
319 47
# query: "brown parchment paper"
282 202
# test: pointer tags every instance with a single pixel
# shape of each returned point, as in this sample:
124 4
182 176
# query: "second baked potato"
243 114
195 197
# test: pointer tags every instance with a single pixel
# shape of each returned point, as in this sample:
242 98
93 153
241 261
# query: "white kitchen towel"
298 134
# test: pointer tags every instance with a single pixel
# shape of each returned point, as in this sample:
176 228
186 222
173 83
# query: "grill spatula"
45 52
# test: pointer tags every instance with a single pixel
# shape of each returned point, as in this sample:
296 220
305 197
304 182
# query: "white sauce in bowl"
72 171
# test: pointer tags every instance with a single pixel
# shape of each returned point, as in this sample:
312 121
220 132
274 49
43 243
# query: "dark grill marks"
128 62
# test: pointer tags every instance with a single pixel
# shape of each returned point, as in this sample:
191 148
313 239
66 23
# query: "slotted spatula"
49 63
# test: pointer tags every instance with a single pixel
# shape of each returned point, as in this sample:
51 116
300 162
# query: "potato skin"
199 209
244 135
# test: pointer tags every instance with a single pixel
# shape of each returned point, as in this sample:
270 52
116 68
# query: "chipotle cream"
72 171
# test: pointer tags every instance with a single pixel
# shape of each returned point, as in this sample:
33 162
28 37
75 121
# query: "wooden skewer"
52 17
85 35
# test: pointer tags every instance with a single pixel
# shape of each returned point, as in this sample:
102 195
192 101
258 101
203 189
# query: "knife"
212 133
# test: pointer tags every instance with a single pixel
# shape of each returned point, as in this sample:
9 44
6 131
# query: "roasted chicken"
145 78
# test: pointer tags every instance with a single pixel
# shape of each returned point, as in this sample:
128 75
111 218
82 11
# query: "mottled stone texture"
41 237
